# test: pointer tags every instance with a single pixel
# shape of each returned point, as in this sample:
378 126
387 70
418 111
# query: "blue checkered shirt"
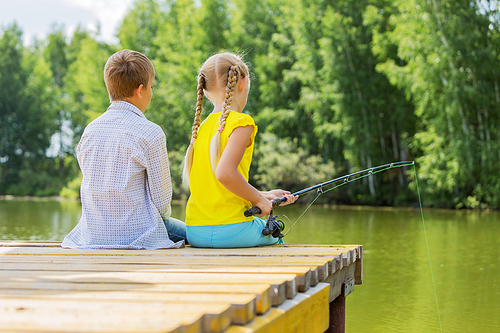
126 188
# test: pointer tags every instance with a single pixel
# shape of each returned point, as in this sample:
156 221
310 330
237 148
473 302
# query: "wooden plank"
303 275
338 278
279 264
262 292
333 261
358 273
243 308
169 260
271 251
215 317
294 250
307 313
342 248
166 267
27 243
262 252
274 252
279 282
62 316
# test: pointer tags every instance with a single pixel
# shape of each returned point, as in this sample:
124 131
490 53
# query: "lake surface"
397 294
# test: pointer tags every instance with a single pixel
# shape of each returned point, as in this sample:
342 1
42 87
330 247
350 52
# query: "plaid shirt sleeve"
158 173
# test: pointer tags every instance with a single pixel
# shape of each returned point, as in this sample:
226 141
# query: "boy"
126 189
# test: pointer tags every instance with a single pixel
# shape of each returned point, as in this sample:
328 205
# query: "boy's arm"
158 172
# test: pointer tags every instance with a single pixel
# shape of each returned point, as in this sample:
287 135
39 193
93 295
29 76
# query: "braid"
232 78
199 107
188 158
215 145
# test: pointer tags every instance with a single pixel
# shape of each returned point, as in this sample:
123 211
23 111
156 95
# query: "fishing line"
346 180
427 244
371 172
290 222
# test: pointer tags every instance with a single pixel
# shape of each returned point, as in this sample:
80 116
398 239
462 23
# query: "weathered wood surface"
281 288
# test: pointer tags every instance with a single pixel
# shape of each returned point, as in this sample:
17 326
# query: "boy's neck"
131 101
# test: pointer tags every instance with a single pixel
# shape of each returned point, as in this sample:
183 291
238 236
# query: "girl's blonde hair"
218 75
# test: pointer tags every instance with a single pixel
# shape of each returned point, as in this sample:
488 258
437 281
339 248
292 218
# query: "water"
397 293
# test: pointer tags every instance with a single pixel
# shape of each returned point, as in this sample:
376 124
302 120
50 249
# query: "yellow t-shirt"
210 202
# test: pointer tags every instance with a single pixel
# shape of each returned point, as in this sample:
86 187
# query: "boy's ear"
138 91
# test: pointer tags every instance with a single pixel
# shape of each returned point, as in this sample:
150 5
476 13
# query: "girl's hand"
278 194
265 206
290 199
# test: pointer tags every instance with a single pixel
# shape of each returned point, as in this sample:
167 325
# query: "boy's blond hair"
125 71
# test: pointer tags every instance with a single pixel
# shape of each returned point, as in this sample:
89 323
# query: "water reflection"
397 294
37 220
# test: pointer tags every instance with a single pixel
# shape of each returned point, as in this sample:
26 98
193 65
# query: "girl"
218 160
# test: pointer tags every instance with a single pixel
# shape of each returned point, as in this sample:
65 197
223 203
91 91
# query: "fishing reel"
273 227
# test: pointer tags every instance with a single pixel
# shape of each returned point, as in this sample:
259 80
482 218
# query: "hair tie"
220 129
192 141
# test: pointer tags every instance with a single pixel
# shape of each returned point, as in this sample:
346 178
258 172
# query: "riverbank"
327 206
33 198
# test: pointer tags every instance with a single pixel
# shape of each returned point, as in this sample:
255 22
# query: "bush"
280 163
179 191
72 189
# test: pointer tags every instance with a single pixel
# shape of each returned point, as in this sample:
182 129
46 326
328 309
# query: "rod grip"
256 210
252 211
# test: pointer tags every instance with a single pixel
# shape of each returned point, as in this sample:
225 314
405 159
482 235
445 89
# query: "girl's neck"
218 107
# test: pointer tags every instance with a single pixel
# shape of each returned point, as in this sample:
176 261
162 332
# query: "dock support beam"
337 315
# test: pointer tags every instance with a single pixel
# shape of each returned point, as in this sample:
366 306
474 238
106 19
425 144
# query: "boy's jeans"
176 229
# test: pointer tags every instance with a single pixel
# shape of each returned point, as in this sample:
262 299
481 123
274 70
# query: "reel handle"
273 227
256 210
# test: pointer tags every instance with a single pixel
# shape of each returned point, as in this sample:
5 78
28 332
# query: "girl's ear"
242 84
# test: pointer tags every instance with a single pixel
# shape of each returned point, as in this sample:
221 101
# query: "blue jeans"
176 229
244 234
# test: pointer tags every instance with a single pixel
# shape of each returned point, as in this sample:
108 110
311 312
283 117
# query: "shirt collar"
126 106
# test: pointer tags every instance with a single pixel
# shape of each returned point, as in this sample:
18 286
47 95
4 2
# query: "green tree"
450 70
279 86
176 67
56 55
252 24
319 85
141 26
212 25
27 114
87 97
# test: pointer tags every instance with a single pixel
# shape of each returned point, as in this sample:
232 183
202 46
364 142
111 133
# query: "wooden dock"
280 288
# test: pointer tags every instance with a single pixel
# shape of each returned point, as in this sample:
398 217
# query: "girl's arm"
229 176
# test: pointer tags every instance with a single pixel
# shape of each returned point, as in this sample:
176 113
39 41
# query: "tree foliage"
27 114
336 86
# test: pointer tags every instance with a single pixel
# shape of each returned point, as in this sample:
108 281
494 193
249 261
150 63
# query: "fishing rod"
274 227
256 210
